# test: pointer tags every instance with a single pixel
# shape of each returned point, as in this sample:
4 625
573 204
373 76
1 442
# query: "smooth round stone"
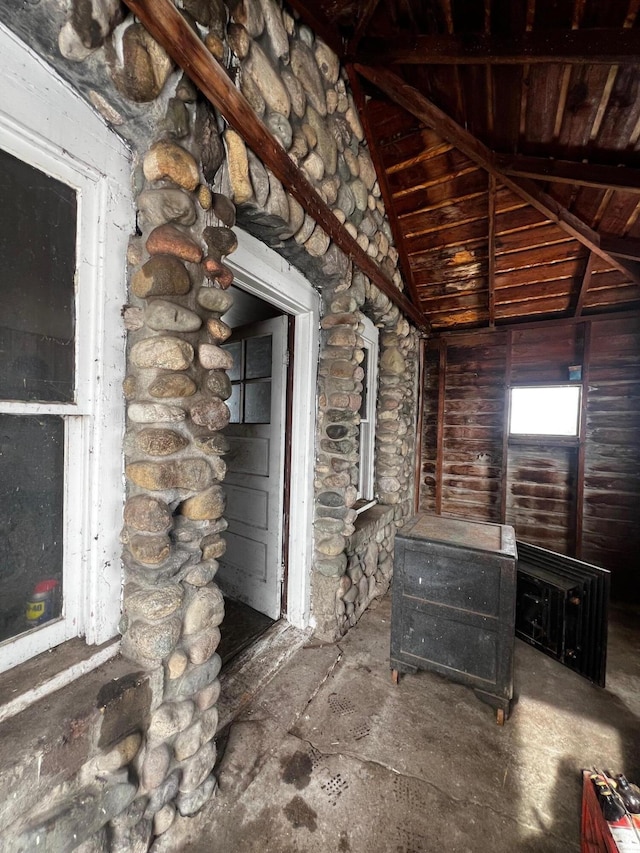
303 64
336 431
205 610
332 567
192 474
154 641
201 647
212 414
218 330
196 769
147 66
202 574
219 384
220 240
214 299
190 803
215 445
120 755
206 698
168 160
170 718
163 819
209 724
163 352
328 62
213 547
330 546
329 525
177 664
210 503
160 442
150 549
214 358
155 603
187 743
169 240
280 127
163 793
168 204
166 316
147 514
392 361
196 679
151 413
331 499
173 385
161 275
155 766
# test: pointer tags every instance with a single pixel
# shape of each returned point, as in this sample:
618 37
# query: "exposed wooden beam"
572 47
170 29
415 103
621 247
569 172
584 285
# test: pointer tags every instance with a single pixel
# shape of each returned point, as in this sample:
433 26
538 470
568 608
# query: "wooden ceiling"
506 134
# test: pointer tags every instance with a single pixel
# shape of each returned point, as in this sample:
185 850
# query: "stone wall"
194 178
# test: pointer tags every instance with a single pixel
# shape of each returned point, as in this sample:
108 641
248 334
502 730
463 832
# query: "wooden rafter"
621 247
569 172
397 232
415 102
573 47
171 30
584 285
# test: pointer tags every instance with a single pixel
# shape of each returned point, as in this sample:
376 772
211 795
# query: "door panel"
250 570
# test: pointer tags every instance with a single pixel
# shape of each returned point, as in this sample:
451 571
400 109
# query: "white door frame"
262 272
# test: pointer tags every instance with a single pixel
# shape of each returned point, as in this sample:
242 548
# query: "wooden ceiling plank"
604 101
570 172
424 156
562 101
584 285
621 247
602 207
165 23
492 250
572 47
633 218
434 182
381 172
415 102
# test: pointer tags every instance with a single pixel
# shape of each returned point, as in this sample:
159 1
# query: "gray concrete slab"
331 756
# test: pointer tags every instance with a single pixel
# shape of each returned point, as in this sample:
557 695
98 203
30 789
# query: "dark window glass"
258 357
31 516
257 402
38 262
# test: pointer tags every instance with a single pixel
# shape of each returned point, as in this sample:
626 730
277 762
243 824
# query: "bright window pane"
545 411
37 257
31 513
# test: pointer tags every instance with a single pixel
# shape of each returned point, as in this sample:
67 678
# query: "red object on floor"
595 836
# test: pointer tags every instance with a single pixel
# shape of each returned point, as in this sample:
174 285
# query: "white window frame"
44 123
367 440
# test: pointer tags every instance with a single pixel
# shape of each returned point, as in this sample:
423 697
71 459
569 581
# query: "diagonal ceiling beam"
569 172
415 103
171 30
621 247
567 47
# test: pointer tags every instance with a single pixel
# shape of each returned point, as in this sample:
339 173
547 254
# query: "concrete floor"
330 756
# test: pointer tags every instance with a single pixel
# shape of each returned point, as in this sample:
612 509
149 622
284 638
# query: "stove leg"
395 676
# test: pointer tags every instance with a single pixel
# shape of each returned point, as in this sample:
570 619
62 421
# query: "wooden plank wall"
611 515
577 497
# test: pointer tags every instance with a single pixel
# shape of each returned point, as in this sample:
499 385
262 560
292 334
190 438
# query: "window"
63 232
250 400
545 410
366 480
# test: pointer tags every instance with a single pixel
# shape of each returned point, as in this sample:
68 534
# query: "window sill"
363 505
25 684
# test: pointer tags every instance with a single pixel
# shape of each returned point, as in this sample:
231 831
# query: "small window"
549 410
250 401
366 478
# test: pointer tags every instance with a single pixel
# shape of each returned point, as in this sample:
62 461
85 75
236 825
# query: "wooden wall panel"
472 428
611 513
541 492
551 496
429 428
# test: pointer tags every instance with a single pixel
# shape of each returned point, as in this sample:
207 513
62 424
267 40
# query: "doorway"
264 573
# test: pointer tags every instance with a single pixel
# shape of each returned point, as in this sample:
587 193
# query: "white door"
251 569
